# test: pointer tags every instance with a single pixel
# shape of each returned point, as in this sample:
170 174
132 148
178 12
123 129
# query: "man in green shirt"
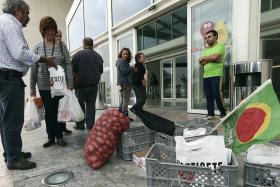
212 61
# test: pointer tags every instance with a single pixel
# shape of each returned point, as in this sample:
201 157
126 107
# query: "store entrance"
167 83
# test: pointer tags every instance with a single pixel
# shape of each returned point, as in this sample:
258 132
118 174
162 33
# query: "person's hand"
70 87
49 61
201 59
33 93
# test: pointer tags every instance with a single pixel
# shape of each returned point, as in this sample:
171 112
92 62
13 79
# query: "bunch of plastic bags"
69 108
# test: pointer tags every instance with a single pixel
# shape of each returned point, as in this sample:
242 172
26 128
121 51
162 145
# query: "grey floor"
116 172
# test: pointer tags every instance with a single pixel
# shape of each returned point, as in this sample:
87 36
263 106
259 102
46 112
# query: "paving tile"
83 176
50 159
6 181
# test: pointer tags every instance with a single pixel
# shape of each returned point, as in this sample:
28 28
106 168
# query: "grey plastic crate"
196 123
179 130
163 170
261 175
137 138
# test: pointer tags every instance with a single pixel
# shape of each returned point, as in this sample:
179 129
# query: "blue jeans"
213 91
124 96
11 115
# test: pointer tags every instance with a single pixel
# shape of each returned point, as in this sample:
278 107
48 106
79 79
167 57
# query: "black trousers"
87 99
54 128
141 96
213 91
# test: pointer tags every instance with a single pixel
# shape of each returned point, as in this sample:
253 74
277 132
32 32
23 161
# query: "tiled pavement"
115 173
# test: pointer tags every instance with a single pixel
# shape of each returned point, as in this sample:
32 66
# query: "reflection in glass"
179 22
95 17
139 39
149 35
76 29
123 9
221 17
164 29
265 5
105 77
167 79
275 4
181 76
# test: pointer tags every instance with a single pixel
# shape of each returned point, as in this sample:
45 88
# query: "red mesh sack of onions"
103 137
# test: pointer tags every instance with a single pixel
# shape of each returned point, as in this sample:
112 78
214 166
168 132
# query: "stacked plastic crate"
163 169
136 138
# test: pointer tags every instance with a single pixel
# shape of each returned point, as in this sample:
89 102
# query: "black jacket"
138 74
88 65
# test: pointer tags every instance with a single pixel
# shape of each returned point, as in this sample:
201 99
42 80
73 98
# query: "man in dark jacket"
88 66
138 81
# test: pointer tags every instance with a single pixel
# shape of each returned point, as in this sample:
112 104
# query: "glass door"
202 18
167 73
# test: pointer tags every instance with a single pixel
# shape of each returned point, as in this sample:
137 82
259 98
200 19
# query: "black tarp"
155 122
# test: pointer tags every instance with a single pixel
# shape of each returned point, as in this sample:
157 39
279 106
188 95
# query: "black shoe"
66 131
21 164
61 142
79 128
131 119
48 143
25 155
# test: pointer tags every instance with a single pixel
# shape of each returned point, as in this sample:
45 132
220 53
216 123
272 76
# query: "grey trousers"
124 95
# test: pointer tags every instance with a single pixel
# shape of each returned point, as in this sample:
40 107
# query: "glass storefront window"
123 9
76 29
95 17
265 5
181 76
163 25
105 77
211 14
165 28
275 4
149 35
179 22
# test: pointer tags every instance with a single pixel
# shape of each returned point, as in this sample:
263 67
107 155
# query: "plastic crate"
196 123
163 170
179 130
133 140
261 175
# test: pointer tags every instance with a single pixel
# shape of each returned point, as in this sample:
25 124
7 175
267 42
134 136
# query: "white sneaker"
209 117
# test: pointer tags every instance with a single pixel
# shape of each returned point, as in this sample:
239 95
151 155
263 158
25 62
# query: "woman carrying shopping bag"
50 47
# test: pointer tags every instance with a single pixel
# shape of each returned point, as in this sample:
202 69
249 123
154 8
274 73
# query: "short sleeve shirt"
214 69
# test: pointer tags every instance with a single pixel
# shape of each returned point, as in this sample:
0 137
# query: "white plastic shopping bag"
208 151
31 116
57 81
264 154
64 109
77 113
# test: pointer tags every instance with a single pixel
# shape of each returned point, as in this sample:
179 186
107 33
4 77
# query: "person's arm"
68 67
34 75
216 57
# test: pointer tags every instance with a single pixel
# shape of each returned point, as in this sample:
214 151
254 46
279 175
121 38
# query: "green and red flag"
256 120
